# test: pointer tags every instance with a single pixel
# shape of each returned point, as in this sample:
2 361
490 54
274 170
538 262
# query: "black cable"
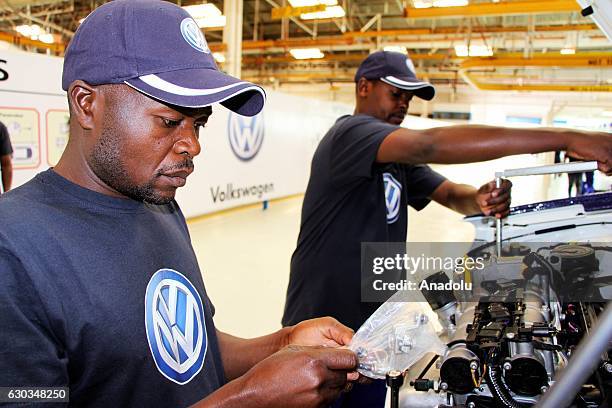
499 391
428 366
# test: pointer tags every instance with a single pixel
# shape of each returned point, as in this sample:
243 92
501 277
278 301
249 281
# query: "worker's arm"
468 200
6 166
473 143
296 376
239 354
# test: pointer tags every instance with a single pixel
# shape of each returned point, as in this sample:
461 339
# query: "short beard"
105 161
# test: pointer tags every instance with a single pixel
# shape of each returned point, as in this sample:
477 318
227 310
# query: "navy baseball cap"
395 69
158 49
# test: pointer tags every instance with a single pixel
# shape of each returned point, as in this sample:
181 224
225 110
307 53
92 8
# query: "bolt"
510 335
421 319
507 366
443 386
471 404
608 367
543 389
474 365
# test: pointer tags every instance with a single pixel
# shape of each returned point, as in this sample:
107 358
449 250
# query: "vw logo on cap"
193 35
245 135
393 197
174 321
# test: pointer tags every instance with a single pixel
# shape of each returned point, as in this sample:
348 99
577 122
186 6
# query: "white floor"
244 254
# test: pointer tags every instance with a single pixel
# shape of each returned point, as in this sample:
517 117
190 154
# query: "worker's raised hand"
299 376
494 201
324 331
592 146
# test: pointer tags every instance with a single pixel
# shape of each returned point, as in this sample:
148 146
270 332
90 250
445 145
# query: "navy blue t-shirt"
5 141
350 199
102 295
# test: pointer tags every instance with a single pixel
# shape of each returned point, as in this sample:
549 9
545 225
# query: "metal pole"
582 363
394 380
498 222
232 36
575 167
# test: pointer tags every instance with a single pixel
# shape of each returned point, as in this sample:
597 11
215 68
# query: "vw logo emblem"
393 197
245 135
193 35
174 321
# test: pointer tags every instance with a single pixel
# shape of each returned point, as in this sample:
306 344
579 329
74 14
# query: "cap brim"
422 89
195 88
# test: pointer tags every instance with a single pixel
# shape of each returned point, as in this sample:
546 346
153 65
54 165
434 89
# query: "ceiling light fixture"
438 3
330 12
568 51
219 57
206 15
475 50
47 38
306 3
306 53
396 48
35 32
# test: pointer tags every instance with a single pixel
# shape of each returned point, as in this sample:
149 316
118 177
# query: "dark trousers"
363 396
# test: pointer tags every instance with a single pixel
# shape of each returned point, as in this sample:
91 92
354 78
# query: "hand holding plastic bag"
395 337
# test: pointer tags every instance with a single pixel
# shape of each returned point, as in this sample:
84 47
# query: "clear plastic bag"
395 337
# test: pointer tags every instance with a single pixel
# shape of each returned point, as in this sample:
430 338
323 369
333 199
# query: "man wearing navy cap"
367 170
100 290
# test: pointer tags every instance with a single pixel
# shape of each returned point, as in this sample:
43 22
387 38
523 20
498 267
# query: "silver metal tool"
573 167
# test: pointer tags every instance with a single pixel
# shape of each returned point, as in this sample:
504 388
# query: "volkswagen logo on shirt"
393 197
174 321
245 135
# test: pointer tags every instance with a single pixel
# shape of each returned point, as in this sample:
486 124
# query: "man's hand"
494 201
299 376
593 146
324 331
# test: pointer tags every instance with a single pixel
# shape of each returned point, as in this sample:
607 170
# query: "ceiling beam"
496 9
19 40
589 60
586 60
297 22
479 29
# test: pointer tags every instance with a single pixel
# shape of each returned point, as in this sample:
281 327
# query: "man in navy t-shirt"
6 162
101 296
367 170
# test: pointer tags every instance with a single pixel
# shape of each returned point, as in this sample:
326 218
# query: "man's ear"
364 87
85 100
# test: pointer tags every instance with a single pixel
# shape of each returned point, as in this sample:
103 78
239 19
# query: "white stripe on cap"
391 80
163 85
243 90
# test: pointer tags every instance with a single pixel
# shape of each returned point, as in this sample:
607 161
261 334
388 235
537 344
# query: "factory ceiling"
527 44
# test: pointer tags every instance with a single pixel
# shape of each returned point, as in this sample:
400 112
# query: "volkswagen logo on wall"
393 197
174 321
245 135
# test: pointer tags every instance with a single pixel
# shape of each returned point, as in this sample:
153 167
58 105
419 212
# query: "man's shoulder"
18 195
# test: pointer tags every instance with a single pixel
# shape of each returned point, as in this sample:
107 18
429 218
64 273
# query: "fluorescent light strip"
306 53
330 12
306 3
